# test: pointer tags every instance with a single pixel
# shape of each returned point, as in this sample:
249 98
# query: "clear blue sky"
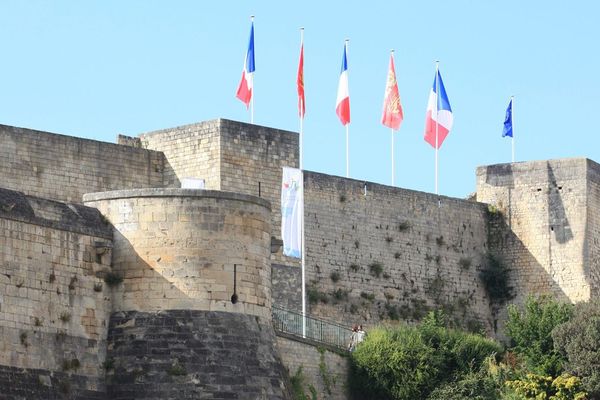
98 68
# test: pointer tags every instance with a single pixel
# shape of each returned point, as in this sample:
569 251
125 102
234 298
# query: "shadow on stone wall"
528 276
557 217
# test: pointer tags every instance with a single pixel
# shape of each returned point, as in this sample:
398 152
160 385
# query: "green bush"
410 362
564 387
471 386
579 341
530 331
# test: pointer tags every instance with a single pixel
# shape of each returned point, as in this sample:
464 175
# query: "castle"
117 283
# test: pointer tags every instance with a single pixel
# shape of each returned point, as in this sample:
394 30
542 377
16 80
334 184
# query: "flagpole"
301 101
252 97
302 255
393 157
512 120
437 113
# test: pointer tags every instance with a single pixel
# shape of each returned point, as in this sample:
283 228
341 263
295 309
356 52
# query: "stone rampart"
54 307
391 253
64 168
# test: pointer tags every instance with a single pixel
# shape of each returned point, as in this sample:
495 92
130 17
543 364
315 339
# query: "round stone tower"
191 317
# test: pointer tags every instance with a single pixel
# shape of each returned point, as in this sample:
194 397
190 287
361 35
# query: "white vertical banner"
292 211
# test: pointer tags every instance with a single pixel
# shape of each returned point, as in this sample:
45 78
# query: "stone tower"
192 316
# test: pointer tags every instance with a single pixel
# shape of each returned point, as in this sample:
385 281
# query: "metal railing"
330 333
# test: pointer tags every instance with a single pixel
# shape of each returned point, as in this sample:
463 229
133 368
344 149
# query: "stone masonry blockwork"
186 354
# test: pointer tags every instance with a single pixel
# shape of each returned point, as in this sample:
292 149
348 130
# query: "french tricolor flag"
438 121
244 92
342 108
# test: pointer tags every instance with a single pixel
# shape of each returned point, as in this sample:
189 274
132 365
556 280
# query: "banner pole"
303 248
437 106
393 168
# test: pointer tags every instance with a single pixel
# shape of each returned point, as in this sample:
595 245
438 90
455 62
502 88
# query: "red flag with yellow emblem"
392 108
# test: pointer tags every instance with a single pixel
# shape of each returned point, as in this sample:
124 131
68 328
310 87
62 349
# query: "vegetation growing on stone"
495 278
376 268
113 279
334 276
299 386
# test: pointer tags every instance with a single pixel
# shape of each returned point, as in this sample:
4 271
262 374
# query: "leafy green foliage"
410 362
495 280
473 385
564 387
530 331
579 340
298 381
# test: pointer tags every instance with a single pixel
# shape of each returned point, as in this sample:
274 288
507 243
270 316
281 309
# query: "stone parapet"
177 248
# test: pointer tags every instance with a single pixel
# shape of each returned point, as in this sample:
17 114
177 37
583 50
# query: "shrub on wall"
495 280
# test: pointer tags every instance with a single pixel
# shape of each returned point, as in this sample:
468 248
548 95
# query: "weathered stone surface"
542 209
326 370
392 253
53 308
231 156
183 354
182 249
63 168
286 282
29 384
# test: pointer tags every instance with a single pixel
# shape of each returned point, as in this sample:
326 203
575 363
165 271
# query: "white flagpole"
437 103
301 100
393 157
512 121
347 152
303 249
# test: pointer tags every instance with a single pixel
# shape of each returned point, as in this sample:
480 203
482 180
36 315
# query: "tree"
530 331
579 341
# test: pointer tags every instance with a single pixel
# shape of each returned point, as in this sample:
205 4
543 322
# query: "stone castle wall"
54 308
591 266
64 168
392 253
192 151
322 368
542 225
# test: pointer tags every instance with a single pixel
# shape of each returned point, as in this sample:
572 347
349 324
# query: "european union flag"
508 127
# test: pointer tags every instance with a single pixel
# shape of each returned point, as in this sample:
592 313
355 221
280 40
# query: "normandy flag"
300 84
392 108
292 211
